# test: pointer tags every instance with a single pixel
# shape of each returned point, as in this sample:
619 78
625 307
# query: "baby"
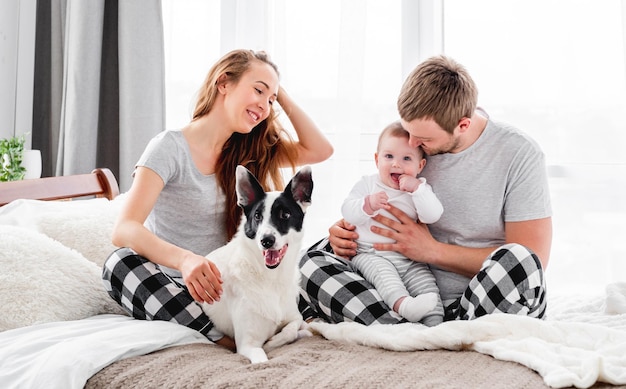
408 287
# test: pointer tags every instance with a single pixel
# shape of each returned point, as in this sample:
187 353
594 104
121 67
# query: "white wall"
17 59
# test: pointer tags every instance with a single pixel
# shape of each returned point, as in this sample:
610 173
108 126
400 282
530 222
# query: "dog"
259 267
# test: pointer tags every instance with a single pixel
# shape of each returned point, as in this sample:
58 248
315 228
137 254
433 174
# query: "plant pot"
31 161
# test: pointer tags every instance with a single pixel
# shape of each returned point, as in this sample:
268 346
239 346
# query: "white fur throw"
41 280
83 225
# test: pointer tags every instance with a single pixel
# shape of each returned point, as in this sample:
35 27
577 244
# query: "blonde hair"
261 151
440 89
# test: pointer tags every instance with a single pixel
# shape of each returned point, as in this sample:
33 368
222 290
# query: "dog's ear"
248 189
301 187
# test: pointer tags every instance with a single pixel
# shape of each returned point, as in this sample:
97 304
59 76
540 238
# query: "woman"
182 203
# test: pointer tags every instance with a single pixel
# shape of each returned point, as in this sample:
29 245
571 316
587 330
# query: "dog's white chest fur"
259 267
251 291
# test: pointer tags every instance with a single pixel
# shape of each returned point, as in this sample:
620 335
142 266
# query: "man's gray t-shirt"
500 178
190 210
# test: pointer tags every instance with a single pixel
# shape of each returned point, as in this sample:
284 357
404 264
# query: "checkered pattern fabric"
147 293
335 292
510 281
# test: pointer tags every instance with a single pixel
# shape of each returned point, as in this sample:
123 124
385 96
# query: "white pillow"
41 281
83 225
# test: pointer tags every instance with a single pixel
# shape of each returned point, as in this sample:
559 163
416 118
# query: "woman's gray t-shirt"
189 211
500 178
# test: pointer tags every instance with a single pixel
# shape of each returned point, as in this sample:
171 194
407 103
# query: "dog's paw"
304 334
288 334
254 354
304 331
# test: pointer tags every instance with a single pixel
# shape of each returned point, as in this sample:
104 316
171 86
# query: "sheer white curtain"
557 70
554 69
341 60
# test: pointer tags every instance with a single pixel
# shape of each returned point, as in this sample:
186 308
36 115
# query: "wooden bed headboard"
99 183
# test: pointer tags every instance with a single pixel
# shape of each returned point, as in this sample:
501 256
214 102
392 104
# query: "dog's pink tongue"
273 257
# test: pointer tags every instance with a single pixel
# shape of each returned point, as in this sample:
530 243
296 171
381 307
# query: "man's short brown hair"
440 89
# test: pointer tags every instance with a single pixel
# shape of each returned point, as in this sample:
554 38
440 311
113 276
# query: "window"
557 71
554 69
340 61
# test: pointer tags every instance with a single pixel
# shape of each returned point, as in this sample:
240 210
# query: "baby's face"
396 157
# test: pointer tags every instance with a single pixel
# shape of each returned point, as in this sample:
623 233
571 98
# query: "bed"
59 328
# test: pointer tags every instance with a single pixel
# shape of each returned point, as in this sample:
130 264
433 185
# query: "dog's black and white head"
274 219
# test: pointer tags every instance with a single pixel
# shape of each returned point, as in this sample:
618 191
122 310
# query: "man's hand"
412 239
415 241
342 239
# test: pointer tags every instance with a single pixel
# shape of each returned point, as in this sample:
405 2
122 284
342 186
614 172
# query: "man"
492 244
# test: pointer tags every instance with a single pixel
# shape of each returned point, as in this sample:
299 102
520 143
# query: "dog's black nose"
268 241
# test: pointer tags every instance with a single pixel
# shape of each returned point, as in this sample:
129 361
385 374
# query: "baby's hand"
408 183
374 202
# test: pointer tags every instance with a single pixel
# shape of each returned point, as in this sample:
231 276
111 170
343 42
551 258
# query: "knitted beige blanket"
314 363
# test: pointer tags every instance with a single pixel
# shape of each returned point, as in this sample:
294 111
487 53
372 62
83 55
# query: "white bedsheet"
582 342
66 354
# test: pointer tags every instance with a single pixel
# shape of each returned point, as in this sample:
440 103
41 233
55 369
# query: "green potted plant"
11 155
